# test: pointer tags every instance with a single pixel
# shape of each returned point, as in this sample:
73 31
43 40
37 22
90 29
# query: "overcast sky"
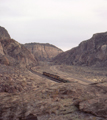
64 23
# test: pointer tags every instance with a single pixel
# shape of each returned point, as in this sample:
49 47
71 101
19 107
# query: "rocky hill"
12 52
89 52
44 52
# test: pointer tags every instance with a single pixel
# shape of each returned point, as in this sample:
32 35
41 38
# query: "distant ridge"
43 51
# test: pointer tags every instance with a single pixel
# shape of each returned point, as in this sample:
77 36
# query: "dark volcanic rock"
89 52
43 51
4 34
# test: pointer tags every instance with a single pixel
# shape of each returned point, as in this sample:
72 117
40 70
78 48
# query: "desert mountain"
89 52
44 52
12 52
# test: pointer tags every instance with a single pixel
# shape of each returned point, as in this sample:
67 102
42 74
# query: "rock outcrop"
89 52
4 34
17 53
43 52
4 60
1 49
12 52
96 106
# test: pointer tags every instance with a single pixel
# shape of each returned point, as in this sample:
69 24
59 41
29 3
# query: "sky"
63 23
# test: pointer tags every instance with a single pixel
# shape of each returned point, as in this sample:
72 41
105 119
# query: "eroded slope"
43 52
89 52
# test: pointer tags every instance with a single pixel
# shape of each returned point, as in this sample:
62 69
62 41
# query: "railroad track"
56 77
59 80
41 75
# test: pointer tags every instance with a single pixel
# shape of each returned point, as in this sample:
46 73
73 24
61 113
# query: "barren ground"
46 99
81 74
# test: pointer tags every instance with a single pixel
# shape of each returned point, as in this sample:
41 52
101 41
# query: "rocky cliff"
89 52
43 51
4 34
12 52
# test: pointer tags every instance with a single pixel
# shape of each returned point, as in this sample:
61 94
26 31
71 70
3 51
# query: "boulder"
96 106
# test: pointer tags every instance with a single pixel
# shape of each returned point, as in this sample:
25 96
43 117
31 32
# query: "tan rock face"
43 51
89 52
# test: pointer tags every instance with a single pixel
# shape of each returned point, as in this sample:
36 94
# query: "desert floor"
80 74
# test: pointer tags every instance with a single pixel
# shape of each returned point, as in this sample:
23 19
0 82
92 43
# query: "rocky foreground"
25 96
